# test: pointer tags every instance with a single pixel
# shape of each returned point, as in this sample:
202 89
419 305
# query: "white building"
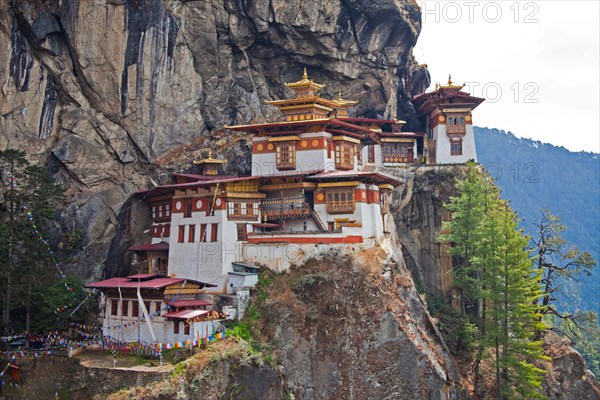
313 188
446 115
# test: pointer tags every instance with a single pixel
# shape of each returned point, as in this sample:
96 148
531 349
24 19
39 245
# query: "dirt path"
104 359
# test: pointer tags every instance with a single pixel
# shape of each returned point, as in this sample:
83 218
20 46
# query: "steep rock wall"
354 327
112 93
417 208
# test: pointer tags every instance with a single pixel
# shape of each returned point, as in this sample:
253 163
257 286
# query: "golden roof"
305 83
451 85
343 102
210 160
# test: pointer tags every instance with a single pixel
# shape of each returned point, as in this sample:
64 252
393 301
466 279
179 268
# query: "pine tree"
28 204
483 230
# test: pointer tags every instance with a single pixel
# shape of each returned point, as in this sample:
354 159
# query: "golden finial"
305 75
210 153
449 79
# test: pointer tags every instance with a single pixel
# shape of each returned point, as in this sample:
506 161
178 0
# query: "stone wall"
44 377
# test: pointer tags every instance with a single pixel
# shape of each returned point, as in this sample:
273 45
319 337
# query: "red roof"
402 134
162 246
216 179
374 120
185 314
133 281
194 177
355 174
143 276
190 303
292 174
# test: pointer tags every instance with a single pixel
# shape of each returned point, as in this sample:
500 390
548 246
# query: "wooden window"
192 233
455 124
187 210
135 309
340 201
125 308
176 327
214 230
286 155
359 148
203 232
154 212
236 211
241 232
397 152
186 329
181 234
114 307
371 153
456 148
344 155
167 210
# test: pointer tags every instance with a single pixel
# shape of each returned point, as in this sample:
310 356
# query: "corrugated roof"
155 283
186 314
190 303
162 246
354 174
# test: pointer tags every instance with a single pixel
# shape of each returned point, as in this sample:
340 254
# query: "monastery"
316 184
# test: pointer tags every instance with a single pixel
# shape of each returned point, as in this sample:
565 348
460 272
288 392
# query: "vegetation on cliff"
496 275
35 292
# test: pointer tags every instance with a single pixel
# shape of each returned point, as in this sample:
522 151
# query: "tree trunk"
6 313
28 309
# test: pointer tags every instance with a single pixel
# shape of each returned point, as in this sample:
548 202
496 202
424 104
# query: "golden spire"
451 85
343 102
210 160
305 87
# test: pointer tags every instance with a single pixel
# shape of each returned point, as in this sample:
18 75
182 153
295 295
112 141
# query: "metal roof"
355 174
158 282
162 246
190 303
185 314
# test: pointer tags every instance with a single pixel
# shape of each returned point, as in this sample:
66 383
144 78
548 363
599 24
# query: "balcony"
456 129
285 208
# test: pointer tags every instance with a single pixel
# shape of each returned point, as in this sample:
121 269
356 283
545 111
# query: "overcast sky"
536 62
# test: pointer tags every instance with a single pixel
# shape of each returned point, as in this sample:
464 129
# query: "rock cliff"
113 94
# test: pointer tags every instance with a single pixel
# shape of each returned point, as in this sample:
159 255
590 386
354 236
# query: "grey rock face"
107 92
345 331
418 213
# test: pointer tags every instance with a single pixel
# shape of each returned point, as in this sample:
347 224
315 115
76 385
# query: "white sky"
545 51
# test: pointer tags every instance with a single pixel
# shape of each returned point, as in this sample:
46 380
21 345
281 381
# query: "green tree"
559 265
28 206
494 256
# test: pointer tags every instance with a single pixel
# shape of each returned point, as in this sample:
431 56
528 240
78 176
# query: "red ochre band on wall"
306 240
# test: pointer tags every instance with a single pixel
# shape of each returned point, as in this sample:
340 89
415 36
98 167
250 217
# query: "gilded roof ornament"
343 102
210 160
451 85
305 84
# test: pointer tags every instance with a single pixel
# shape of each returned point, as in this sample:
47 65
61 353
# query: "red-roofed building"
167 301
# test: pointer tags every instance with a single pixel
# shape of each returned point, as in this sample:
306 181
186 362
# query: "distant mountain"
534 175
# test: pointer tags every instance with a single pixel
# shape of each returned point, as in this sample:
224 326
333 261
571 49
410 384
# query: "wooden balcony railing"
456 129
340 208
286 208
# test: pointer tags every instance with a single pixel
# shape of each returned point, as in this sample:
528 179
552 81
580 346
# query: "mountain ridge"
535 175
